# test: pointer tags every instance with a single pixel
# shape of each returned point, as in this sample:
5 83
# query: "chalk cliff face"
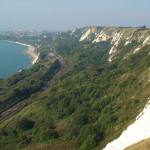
87 35
118 37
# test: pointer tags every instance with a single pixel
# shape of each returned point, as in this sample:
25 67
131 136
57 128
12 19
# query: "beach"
30 52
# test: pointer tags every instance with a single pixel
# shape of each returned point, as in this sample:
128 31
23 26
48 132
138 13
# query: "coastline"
30 52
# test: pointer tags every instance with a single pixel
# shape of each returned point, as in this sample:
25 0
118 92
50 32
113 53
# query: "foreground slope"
103 87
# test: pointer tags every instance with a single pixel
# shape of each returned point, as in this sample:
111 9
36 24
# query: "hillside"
88 86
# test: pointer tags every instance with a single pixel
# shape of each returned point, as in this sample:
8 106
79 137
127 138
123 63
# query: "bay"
12 58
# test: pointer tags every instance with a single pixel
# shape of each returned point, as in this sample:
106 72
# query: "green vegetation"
85 107
20 86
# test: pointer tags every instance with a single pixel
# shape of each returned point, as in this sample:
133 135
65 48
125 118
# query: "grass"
143 145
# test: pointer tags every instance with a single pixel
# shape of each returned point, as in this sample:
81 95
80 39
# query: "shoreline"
30 52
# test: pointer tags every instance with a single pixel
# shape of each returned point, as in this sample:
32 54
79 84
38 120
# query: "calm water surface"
12 58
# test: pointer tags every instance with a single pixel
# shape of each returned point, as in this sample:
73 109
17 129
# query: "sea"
12 58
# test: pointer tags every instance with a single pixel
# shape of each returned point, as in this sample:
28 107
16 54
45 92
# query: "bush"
26 124
90 137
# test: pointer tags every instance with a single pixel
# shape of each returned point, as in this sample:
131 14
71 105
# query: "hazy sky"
68 14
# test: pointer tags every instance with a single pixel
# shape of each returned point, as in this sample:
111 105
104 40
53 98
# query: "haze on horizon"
68 14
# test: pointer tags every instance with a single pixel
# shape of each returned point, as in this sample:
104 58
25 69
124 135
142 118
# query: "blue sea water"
12 58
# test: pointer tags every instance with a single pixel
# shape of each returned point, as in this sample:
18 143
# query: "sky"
59 15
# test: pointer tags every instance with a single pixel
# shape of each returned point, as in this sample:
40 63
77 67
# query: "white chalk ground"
145 42
136 132
127 43
102 36
85 35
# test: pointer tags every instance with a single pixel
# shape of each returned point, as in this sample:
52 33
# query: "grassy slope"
87 107
143 145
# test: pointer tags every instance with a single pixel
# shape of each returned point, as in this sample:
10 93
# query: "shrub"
26 124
